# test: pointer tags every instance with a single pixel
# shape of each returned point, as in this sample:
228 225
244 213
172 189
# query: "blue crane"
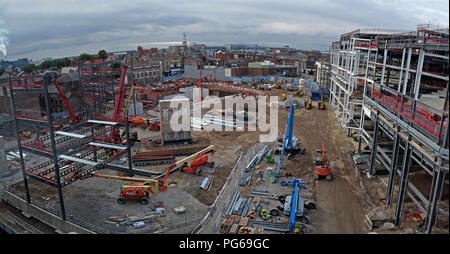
290 144
293 206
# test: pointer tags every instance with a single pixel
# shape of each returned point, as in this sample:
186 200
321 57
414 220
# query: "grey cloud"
55 28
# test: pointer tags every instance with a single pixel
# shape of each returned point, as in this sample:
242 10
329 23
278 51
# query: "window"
165 114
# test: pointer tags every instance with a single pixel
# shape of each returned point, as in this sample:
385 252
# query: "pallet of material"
243 222
234 229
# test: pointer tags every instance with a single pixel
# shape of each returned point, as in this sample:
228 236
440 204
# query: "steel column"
127 130
374 146
47 81
393 170
433 205
19 142
403 182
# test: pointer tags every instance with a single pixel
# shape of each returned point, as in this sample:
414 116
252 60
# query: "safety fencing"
420 116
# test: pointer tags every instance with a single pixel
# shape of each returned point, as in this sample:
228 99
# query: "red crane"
115 132
66 101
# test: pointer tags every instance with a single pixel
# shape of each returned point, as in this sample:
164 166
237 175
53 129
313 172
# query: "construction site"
367 153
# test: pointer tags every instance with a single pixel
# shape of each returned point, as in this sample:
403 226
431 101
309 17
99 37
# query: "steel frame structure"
405 131
72 154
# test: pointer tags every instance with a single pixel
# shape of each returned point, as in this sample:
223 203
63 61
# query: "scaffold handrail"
422 117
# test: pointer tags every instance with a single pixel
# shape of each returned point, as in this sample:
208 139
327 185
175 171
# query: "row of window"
146 74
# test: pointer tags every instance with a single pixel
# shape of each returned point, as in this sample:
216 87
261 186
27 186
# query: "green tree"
102 54
2 71
29 68
45 65
85 57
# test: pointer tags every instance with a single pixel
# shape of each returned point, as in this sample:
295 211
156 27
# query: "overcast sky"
58 28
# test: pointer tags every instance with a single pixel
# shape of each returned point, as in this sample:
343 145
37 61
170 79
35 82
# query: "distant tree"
29 68
2 71
45 65
102 54
59 63
85 57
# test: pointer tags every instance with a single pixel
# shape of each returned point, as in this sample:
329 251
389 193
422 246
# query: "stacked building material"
153 160
257 159
245 179
207 183
273 226
259 193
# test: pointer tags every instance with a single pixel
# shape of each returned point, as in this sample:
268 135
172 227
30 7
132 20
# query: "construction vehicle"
25 134
65 101
291 145
196 160
283 97
114 135
299 93
294 207
321 104
308 103
278 86
322 166
155 126
140 190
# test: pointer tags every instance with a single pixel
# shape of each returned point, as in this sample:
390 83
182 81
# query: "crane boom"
180 163
287 137
130 94
120 95
292 215
65 100
150 184
324 156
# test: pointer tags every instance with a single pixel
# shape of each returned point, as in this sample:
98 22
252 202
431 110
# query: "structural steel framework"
73 151
392 88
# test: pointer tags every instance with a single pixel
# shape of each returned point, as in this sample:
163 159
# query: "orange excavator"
322 166
190 164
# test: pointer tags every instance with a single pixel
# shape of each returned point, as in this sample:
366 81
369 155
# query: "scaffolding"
403 113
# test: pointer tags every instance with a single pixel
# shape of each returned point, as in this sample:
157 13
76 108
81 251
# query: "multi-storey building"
148 72
390 88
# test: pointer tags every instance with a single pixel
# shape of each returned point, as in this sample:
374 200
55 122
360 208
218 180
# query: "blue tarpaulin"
173 77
